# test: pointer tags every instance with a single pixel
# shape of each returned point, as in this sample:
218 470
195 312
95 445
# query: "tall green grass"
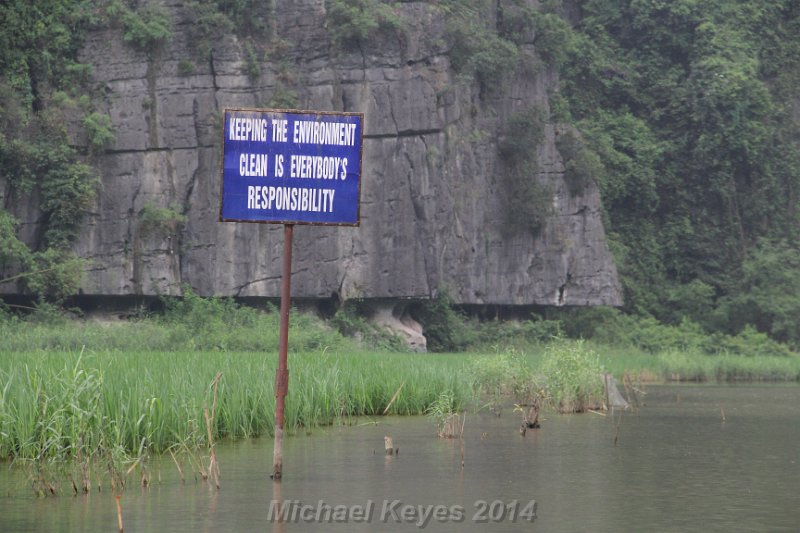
572 372
56 404
690 365
78 388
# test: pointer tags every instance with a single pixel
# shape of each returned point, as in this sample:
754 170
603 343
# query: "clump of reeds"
445 411
510 377
213 467
572 372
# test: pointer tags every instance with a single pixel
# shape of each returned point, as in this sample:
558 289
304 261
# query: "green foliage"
445 412
524 134
477 49
514 334
581 164
491 376
350 321
99 131
553 38
14 255
56 406
146 28
66 187
516 20
449 330
39 45
208 26
767 295
252 61
68 191
41 80
354 22
573 373
750 342
212 20
693 301
195 322
56 274
203 314
283 97
249 17
186 68
680 366
530 202
610 327
445 329
507 375
50 274
687 106
160 221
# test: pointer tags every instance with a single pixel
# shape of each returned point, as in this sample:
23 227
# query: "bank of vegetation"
82 388
85 402
683 113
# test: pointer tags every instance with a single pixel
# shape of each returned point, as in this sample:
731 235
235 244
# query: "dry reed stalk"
142 470
133 466
461 437
632 392
180 470
84 468
394 397
86 476
722 413
619 423
213 466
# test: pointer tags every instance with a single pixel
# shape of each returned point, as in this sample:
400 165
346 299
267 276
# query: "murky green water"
676 467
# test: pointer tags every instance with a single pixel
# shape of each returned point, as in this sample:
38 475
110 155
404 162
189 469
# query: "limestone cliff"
434 209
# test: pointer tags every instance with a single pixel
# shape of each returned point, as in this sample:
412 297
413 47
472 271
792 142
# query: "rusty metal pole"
282 374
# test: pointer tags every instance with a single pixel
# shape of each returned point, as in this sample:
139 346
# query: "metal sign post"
290 167
282 374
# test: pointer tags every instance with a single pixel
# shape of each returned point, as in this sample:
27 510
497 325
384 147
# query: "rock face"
399 322
434 208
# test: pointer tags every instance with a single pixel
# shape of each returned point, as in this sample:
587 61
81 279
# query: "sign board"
291 167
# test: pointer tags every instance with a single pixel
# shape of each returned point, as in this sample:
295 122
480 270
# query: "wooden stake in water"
282 374
388 445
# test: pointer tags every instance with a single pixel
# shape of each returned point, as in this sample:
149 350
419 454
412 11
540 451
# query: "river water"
676 466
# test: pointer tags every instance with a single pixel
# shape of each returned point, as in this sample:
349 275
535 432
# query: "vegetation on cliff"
683 112
691 108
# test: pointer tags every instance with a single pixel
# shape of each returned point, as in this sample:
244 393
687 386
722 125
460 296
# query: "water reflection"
676 467
277 505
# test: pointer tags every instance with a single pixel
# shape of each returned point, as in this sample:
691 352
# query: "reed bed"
72 389
67 404
675 365
62 405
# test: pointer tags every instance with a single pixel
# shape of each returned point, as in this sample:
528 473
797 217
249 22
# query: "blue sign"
291 167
